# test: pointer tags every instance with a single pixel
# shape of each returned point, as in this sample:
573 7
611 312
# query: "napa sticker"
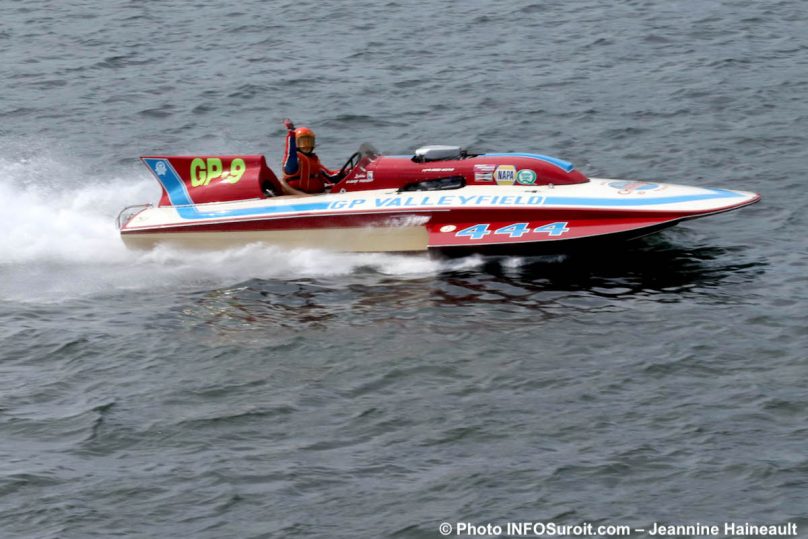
526 177
627 188
505 175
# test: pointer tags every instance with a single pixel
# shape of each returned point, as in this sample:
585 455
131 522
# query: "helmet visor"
305 143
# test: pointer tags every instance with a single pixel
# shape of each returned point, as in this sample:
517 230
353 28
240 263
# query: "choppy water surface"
262 393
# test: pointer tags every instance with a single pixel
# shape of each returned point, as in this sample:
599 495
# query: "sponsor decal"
627 187
484 173
438 170
505 175
484 168
526 177
362 177
160 168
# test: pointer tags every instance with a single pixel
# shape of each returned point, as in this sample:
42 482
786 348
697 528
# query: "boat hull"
475 218
399 239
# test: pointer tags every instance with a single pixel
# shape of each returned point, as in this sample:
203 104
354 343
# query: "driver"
302 169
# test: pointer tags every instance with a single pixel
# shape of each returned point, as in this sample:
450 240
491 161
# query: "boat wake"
60 242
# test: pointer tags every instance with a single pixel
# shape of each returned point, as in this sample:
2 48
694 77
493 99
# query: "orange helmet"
305 139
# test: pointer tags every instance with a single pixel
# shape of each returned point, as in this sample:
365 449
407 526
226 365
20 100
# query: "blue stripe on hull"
566 166
181 201
617 203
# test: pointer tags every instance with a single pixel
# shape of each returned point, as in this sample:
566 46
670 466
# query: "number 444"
516 230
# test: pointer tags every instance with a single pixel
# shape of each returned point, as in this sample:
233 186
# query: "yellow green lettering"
237 170
214 168
198 173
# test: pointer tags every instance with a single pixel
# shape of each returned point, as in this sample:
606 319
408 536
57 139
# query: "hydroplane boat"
441 198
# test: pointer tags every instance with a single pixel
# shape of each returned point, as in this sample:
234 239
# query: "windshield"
368 150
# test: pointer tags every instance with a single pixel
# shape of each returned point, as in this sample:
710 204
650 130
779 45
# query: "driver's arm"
290 161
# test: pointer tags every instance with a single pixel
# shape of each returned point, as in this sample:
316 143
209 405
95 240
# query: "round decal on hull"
526 177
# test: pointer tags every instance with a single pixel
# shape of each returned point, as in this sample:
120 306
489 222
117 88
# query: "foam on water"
45 222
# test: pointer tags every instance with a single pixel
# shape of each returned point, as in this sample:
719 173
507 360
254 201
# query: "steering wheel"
349 165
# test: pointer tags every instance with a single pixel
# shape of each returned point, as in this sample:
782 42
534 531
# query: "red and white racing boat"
441 198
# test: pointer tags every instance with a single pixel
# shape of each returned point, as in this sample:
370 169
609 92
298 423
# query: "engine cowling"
385 172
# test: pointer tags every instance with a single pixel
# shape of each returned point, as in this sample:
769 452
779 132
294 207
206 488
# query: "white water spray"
59 241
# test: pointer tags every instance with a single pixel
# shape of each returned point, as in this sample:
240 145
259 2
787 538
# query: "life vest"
303 171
